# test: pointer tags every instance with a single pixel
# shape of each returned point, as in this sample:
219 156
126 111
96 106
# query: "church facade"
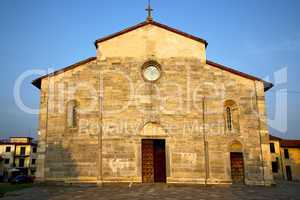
150 107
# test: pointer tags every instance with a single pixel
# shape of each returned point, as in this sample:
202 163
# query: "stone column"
42 132
264 134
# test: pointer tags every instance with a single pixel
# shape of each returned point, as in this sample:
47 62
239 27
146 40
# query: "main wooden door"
153 161
237 167
147 161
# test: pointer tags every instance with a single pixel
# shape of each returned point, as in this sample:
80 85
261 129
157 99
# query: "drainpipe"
205 143
281 162
14 155
14 158
100 167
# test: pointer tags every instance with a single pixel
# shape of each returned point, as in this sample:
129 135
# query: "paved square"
121 192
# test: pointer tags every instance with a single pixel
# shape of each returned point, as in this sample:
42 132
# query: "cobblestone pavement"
169 192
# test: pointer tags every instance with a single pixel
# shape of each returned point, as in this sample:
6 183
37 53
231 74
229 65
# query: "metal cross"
149 10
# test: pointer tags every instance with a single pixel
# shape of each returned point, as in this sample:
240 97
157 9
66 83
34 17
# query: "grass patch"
7 187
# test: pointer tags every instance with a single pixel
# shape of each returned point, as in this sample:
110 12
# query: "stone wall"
185 107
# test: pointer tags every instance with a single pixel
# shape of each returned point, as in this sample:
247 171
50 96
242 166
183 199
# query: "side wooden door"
237 167
289 173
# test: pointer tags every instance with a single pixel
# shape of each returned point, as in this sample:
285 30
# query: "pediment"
151 39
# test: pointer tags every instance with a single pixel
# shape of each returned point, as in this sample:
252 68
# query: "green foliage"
7 187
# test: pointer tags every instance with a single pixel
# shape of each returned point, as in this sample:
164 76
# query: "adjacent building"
19 156
285 155
1 168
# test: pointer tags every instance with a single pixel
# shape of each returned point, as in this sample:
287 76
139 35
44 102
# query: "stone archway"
153 129
235 146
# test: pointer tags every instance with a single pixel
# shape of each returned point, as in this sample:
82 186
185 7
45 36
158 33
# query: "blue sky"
258 37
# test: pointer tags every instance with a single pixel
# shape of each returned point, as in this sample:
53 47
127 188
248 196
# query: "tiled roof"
267 85
8 142
290 143
286 143
37 82
272 137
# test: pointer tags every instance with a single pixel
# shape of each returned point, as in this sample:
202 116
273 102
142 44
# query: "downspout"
14 155
100 167
281 162
205 142
260 139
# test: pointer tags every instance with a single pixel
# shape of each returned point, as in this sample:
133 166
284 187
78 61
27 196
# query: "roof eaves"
37 82
267 85
272 137
290 143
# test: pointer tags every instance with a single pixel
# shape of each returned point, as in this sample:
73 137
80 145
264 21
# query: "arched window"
231 116
72 114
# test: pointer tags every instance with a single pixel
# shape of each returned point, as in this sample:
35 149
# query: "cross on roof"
149 10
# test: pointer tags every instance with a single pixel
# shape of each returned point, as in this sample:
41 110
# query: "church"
150 107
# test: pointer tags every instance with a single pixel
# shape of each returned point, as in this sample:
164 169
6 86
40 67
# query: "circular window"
151 72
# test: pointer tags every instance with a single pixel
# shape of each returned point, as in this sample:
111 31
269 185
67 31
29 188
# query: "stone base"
185 180
212 181
259 183
138 180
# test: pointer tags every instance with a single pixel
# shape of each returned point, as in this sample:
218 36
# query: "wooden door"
159 161
288 173
237 167
147 161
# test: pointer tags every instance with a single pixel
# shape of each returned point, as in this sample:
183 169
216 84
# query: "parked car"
22 179
1 178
